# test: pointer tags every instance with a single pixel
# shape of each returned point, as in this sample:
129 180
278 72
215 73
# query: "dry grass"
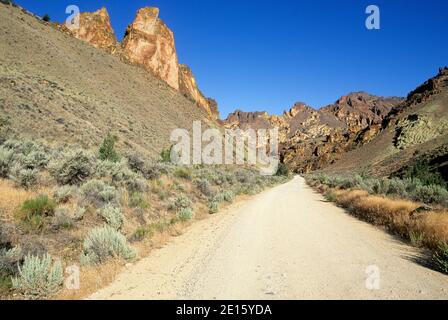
427 228
11 198
434 228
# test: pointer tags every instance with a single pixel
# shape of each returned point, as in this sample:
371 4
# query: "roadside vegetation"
62 206
413 207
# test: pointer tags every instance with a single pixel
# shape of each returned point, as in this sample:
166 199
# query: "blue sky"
266 55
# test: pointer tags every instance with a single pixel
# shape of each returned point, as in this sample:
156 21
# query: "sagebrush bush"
64 194
137 185
79 213
104 243
431 194
229 196
219 197
150 170
213 207
10 260
204 186
38 277
182 201
408 188
24 177
112 215
99 193
28 154
185 214
73 167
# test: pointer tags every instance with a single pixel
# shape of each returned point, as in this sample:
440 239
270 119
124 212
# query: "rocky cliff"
150 43
94 28
311 139
189 88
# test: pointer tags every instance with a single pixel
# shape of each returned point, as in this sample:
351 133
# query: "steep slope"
311 139
415 130
60 89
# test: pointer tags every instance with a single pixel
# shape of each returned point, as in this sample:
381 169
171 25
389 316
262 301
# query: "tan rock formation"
189 88
94 28
150 43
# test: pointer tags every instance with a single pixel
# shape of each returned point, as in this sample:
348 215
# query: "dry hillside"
417 130
60 89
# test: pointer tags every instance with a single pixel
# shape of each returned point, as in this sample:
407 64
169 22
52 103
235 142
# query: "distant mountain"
311 139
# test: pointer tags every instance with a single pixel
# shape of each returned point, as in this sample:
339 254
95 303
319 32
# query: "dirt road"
286 243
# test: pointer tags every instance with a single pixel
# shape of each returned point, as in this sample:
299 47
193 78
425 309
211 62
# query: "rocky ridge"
149 43
311 139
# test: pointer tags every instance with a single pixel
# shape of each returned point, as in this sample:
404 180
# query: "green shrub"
107 150
183 173
141 233
441 257
229 196
422 171
185 214
46 18
104 243
282 170
5 162
137 200
165 155
74 167
213 207
38 277
219 197
99 193
39 206
64 194
113 216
